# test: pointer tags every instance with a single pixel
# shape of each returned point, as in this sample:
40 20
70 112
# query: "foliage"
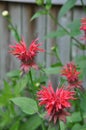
19 105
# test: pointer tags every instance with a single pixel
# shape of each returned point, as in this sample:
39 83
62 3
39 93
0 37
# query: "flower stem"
43 126
31 79
56 22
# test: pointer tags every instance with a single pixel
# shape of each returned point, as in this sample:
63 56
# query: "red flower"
26 55
83 24
71 73
83 27
55 102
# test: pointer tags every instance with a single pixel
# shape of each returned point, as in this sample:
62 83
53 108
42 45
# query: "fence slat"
4 37
15 12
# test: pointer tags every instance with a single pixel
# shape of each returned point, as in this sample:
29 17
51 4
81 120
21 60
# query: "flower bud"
37 84
5 13
39 2
53 48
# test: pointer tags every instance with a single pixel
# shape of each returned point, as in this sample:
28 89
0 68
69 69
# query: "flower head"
26 55
83 24
83 28
72 75
55 102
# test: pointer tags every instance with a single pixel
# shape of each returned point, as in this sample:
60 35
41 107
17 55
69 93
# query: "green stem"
83 5
59 125
30 74
43 126
58 58
31 79
13 28
56 22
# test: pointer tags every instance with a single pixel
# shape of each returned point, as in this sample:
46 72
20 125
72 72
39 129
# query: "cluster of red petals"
83 24
26 55
83 27
72 75
55 102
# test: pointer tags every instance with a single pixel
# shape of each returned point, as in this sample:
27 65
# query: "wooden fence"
21 14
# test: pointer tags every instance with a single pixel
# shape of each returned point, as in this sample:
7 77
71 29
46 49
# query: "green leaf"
27 105
21 84
15 73
75 117
5 94
66 7
76 127
52 70
58 64
62 125
52 127
48 4
83 127
58 33
15 126
74 27
32 123
81 62
39 2
83 103
39 13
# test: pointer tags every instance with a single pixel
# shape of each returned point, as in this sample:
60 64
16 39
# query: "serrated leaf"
39 13
66 7
27 105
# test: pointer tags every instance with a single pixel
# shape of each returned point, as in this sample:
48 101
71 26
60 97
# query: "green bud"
39 2
53 48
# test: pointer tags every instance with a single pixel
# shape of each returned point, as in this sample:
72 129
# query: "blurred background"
21 12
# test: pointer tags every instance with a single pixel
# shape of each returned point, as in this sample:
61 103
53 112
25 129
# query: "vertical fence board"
15 12
28 26
40 31
4 36
64 42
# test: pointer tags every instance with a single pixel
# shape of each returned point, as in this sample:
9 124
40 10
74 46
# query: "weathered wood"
15 12
64 42
40 32
21 15
28 27
4 40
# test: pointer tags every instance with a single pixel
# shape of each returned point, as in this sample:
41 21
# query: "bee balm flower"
26 55
72 75
55 102
83 28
